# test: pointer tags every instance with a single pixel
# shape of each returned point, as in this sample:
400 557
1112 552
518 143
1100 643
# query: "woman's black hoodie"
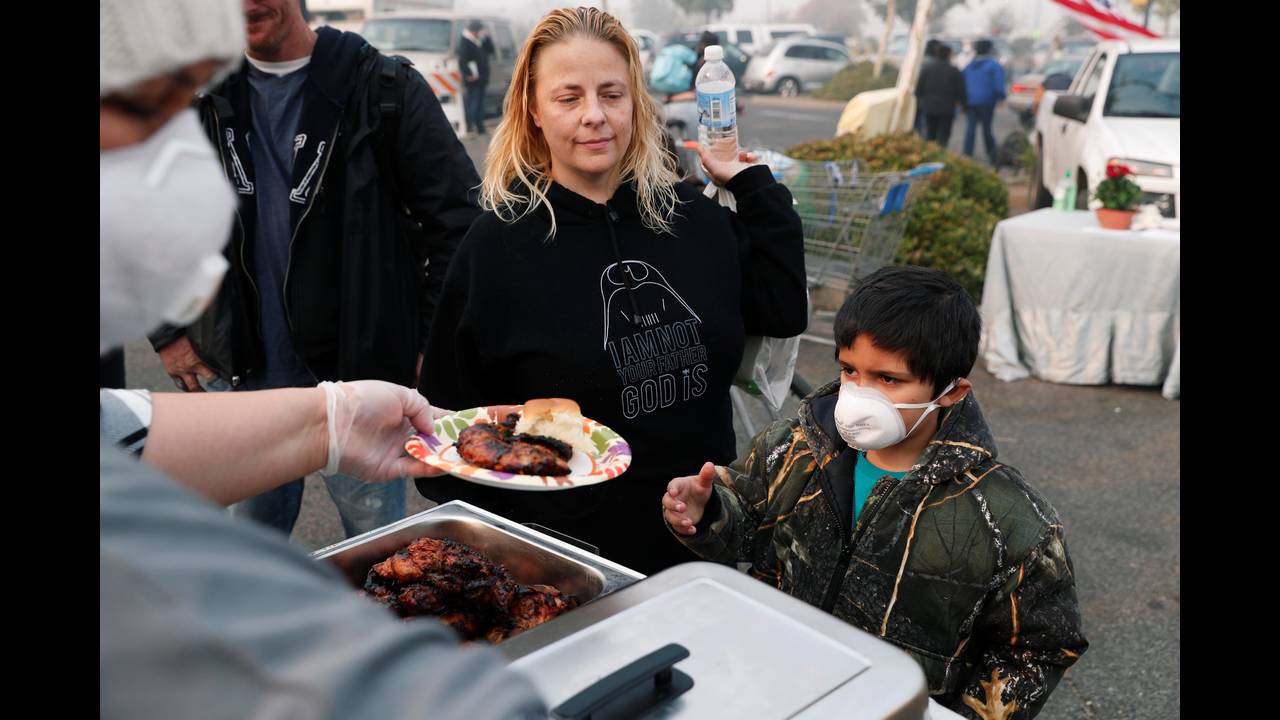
644 330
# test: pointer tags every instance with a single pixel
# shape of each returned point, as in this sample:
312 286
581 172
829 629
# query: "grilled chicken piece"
508 433
498 633
467 625
508 426
465 589
419 599
482 445
559 447
526 459
495 447
536 604
428 555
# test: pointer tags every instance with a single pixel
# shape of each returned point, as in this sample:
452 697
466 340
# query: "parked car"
795 65
429 38
836 38
1124 105
756 39
1047 49
1025 90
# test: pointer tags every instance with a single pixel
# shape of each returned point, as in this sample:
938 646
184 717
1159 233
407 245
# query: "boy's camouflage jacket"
960 563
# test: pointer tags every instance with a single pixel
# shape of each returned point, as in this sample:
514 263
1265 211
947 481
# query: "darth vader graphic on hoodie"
653 338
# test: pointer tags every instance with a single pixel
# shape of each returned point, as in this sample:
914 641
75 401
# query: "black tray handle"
580 544
631 691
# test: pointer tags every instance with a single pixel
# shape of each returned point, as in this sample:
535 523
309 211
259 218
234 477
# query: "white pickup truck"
1124 105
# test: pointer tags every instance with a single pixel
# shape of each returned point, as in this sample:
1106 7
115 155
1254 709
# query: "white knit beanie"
145 39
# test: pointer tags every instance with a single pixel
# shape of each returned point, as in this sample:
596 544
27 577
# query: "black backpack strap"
390 76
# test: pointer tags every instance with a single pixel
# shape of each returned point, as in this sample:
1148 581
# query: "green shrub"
954 214
856 78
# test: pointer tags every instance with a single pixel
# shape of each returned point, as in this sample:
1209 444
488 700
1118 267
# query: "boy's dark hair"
943 53
982 47
920 312
931 48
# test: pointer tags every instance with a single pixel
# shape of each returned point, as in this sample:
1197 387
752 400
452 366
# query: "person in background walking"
984 88
939 92
473 61
930 52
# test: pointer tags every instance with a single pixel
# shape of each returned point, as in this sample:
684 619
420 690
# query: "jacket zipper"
846 552
289 265
217 129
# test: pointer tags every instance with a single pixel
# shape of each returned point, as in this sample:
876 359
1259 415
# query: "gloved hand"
368 422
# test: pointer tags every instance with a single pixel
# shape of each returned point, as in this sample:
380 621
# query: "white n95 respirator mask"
868 420
166 210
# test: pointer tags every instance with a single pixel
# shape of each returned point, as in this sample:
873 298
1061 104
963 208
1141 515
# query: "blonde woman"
594 275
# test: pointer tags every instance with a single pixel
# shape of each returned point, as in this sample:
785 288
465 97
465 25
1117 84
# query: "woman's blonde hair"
517 170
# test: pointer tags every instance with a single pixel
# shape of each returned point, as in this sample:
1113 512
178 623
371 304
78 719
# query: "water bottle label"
717 110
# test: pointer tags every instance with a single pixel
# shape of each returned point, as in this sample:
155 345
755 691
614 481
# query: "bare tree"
905 9
884 40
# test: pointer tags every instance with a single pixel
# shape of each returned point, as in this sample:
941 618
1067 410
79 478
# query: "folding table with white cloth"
1067 301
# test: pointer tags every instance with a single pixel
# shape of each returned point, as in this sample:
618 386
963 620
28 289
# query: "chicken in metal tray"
466 590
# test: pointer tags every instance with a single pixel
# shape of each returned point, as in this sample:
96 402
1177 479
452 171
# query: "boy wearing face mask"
884 504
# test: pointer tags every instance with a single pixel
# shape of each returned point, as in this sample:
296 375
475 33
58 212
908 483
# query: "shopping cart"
853 220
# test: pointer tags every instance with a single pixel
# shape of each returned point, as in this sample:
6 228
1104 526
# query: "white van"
755 39
429 38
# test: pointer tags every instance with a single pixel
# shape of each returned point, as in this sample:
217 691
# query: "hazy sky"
968 18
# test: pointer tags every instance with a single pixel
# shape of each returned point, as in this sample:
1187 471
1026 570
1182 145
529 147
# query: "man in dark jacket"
351 181
984 87
930 52
939 91
473 62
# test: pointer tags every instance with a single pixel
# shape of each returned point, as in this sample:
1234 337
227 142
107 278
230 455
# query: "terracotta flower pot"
1115 219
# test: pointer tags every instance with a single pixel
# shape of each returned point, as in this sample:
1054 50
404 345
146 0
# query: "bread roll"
558 418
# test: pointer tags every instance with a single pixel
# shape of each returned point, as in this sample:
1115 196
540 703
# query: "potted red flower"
1119 197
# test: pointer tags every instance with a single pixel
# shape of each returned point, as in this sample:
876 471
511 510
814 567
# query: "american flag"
1103 21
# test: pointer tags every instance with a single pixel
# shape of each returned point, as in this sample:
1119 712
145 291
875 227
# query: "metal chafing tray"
530 556
752 652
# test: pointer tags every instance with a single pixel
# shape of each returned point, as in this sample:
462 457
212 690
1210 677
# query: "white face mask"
165 214
868 420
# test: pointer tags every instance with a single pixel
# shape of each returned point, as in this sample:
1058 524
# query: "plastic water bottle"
1064 194
717 106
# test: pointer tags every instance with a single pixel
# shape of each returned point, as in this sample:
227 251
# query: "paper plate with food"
545 444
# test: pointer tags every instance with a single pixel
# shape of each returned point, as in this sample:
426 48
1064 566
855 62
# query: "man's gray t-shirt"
276 104
203 615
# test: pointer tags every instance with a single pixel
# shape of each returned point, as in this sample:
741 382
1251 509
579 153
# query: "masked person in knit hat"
201 614
353 192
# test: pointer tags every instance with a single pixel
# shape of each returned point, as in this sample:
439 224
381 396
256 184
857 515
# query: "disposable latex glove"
368 422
